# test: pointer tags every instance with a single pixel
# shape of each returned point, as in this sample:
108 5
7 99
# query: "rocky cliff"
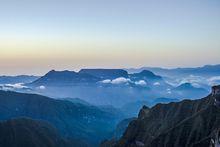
177 124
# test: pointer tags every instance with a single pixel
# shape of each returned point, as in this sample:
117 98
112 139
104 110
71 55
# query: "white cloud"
120 80
169 91
141 83
156 84
41 87
196 81
214 80
16 86
107 81
192 79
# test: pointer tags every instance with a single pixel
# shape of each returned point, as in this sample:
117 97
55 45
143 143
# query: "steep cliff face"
181 124
216 95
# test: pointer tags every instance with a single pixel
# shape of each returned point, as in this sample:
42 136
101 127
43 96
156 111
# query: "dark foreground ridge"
72 120
26 132
189 123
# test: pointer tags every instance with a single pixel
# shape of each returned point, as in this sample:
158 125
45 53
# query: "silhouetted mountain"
185 86
17 79
64 78
25 132
71 119
106 73
154 82
177 124
145 75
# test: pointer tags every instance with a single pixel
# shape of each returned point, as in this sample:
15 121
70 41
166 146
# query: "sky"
39 35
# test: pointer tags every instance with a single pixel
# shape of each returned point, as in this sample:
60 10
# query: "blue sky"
39 35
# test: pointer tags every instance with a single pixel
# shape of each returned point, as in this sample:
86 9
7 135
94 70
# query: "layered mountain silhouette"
207 70
90 85
26 132
177 124
109 86
72 120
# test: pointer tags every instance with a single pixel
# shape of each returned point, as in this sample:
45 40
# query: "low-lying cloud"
41 87
16 86
214 80
141 83
120 80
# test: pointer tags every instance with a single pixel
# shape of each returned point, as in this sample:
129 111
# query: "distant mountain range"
88 76
108 86
207 70
17 79
178 124
117 87
97 86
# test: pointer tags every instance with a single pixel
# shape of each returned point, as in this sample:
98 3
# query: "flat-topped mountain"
64 78
106 73
177 124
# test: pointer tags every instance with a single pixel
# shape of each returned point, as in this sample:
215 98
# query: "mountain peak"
185 85
61 72
52 71
147 73
216 90
216 94
143 112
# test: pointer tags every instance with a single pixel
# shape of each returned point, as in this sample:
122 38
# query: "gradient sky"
40 35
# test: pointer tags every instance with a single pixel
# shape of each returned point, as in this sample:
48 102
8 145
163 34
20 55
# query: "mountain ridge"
161 119
71 119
